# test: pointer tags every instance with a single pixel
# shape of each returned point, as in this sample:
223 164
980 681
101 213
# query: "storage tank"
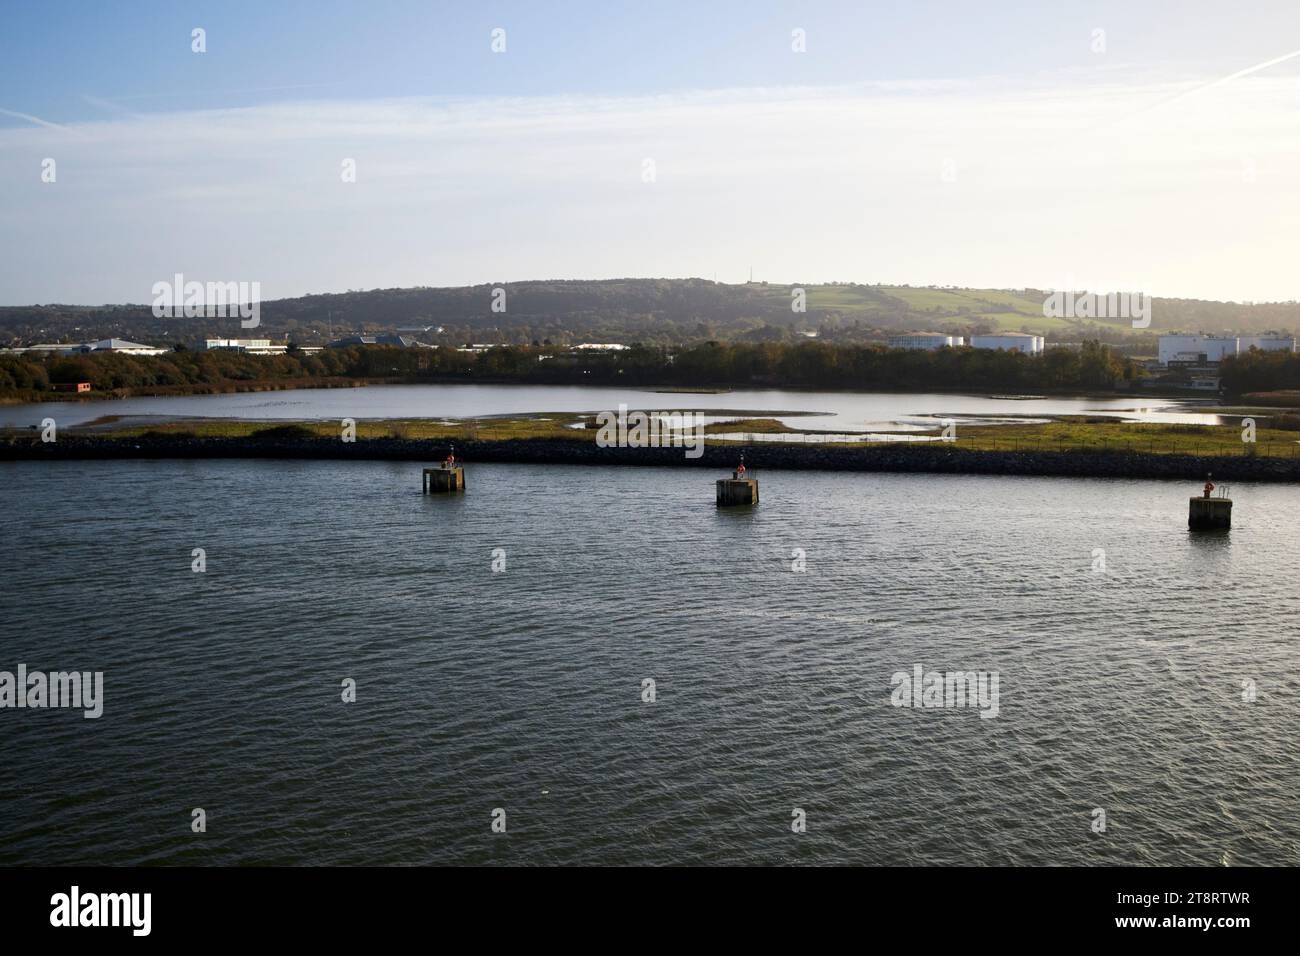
1268 342
1011 341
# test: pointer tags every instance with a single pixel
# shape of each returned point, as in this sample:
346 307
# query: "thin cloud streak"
1206 87
33 119
807 184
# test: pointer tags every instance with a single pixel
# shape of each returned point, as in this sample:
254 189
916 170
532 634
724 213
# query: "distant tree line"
1258 371
109 371
767 364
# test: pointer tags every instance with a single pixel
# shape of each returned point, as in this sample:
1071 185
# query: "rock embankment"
928 457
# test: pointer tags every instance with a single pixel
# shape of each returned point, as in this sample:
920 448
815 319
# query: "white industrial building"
80 348
1011 342
925 340
121 345
252 346
1197 349
1268 342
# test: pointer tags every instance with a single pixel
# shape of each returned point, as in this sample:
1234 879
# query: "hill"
651 311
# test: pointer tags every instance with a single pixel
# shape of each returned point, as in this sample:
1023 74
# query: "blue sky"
944 142
56 54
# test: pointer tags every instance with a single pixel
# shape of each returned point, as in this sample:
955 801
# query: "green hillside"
650 311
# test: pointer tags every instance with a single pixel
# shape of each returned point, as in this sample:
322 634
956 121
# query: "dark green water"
1120 690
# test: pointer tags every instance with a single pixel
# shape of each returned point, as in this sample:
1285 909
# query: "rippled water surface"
833 410
521 690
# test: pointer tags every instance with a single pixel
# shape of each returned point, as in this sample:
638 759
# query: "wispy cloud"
32 119
109 106
987 182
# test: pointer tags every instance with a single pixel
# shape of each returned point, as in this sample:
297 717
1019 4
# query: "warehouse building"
1197 349
252 346
350 341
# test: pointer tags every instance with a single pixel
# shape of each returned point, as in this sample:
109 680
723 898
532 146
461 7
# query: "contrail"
1240 73
33 119
1165 101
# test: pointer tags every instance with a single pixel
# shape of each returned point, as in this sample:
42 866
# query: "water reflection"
839 411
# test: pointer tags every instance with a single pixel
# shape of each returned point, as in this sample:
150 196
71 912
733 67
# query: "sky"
326 146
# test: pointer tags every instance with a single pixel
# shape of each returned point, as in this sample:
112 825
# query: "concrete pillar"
443 480
1205 514
737 491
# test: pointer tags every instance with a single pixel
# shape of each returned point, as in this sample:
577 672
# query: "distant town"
1183 361
1200 354
256 346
